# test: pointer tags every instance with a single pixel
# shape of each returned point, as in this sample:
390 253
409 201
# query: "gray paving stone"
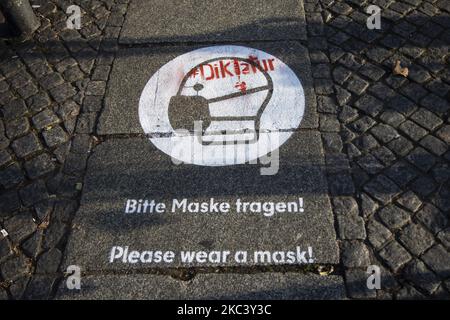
444 236
400 146
394 255
415 238
377 234
55 136
44 119
341 74
370 164
410 201
20 226
382 189
421 276
444 133
433 144
362 124
368 206
357 85
351 227
5 157
402 173
412 130
370 105
39 166
17 127
384 133
207 286
103 223
384 155
438 259
9 202
435 104
14 109
402 105
409 293
424 185
33 193
329 123
345 206
134 67
355 254
11 176
332 142
426 119
38 102
342 95
356 283
26 145
441 198
432 218
213 21
421 159
393 216
48 262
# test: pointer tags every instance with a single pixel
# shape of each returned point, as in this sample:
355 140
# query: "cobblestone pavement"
386 139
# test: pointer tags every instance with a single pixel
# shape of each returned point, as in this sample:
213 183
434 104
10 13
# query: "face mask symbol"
227 111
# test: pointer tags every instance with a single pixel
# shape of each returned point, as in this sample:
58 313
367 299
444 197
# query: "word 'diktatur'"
231 68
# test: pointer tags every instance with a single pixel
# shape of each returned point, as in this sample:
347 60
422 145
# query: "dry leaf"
398 70
325 270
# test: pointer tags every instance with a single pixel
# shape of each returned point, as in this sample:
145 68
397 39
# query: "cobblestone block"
369 105
39 166
26 145
421 158
368 206
402 105
421 276
357 85
409 201
14 109
382 189
55 136
62 92
400 146
384 155
416 239
356 283
434 145
438 259
33 193
355 254
393 216
432 218
377 234
44 119
19 226
11 176
401 173
38 102
426 119
394 255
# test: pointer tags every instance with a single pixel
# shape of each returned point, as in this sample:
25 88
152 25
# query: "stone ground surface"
384 145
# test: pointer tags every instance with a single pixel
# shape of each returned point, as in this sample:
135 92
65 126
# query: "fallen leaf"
325 270
399 70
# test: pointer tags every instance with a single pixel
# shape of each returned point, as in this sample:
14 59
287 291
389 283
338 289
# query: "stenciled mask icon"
228 95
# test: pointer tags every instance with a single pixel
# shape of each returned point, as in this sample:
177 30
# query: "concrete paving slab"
262 286
133 168
134 67
214 20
